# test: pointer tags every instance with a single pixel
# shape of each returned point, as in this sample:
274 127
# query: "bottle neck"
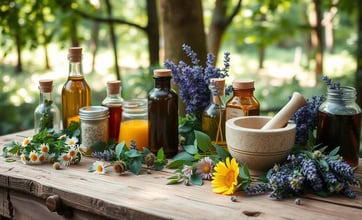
163 82
342 95
45 96
75 69
243 92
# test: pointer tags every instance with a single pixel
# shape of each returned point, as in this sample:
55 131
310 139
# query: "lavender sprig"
330 84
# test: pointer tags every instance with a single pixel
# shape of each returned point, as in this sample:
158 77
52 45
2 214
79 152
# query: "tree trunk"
261 53
113 39
183 24
317 37
219 23
153 33
358 75
19 66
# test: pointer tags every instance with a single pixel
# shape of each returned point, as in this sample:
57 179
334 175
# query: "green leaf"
10 160
5 152
334 151
196 179
133 153
183 156
203 141
119 148
99 146
173 181
244 172
135 165
221 152
158 165
174 164
191 149
161 157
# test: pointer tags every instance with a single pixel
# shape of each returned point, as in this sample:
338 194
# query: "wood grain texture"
147 196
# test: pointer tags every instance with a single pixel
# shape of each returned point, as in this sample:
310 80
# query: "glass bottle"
163 114
134 124
213 117
76 92
94 126
243 102
114 103
339 123
46 114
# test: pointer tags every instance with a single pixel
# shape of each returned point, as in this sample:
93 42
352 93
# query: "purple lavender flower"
329 83
309 170
342 169
193 80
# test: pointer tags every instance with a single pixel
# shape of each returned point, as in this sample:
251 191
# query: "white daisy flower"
98 167
71 141
26 141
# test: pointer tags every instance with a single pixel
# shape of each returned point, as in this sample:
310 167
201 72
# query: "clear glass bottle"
134 124
339 124
46 114
93 126
213 117
114 102
243 101
76 92
163 114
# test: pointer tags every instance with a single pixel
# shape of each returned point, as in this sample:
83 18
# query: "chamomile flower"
187 171
71 141
26 141
33 156
44 148
73 151
64 159
98 167
204 168
41 158
62 137
23 158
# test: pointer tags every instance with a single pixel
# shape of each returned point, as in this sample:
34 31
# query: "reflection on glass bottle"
46 114
76 92
213 117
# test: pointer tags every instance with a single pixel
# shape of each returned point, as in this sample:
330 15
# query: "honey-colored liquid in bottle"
75 93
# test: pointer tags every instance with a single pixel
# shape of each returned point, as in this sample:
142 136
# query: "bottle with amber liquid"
163 114
76 92
213 117
339 124
114 102
243 101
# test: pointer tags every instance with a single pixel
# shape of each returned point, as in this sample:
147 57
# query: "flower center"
206 169
33 157
229 178
99 168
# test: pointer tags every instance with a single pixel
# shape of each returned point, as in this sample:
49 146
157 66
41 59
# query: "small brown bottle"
76 92
243 102
163 115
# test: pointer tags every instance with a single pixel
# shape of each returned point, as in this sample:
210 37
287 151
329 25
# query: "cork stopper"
114 86
162 73
45 85
243 84
220 85
75 54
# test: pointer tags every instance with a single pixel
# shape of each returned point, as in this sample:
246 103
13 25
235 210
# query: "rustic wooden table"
28 191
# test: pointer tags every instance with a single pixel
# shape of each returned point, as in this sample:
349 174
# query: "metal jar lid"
93 113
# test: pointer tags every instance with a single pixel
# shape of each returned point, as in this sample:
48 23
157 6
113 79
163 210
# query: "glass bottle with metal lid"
94 126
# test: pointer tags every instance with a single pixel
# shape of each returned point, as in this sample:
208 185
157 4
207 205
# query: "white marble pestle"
284 115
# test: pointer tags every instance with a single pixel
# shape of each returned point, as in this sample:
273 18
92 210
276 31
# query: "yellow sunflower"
225 177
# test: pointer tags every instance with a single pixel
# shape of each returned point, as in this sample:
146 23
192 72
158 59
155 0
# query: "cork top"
46 85
114 86
243 84
162 73
75 54
220 84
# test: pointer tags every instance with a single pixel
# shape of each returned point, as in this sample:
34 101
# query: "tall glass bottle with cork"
46 114
114 102
76 92
213 117
163 114
243 101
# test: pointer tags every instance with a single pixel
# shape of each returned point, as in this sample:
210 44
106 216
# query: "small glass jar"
339 124
94 126
134 124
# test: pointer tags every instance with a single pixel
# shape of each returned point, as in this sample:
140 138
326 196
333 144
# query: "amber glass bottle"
213 117
163 114
114 102
243 102
76 92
